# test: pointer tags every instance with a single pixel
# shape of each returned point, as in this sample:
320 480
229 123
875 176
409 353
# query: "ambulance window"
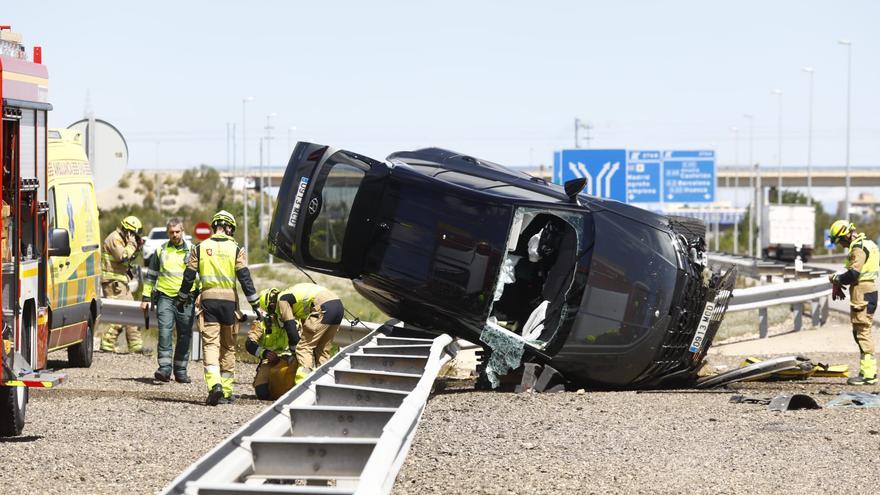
51 207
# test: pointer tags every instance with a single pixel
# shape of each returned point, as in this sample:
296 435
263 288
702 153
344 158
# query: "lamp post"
268 140
810 71
735 131
244 166
755 216
778 93
848 45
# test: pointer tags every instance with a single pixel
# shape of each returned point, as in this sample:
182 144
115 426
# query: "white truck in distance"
787 228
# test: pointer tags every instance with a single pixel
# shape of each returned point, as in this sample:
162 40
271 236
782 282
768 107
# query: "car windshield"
158 234
631 282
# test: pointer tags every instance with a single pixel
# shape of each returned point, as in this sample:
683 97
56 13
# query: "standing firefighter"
164 276
218 261
860 274
273 341
120 248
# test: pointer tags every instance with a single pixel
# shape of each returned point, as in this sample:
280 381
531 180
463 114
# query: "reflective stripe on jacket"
872 262
116 256
165 270
217 262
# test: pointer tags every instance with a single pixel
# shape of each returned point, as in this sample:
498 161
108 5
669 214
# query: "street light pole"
755 216
244 166
848 45
735 188
778 92
810 71
268 139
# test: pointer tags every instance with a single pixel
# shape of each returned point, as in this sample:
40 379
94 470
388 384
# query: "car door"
323 216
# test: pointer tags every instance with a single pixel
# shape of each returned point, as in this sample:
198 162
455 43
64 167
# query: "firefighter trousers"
316 335
863 304
218 353
117 289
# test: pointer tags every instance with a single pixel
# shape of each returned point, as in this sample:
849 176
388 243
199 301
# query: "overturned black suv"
608 294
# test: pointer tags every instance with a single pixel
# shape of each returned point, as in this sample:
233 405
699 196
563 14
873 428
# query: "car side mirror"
574 187
59 242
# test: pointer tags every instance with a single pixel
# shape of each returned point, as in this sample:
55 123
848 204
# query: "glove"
260 314
180 301
837 292
271 357
140 241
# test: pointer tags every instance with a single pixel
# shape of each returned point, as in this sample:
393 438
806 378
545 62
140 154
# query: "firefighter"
218 261
319 312
274 342
162 280
120 248
860 274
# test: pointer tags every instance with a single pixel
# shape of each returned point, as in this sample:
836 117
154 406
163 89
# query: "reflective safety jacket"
268 335
218 261
869 267
164 271
117 253
303 298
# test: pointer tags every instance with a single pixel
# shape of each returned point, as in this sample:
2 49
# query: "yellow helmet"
131 223
840 229
268 299
223 216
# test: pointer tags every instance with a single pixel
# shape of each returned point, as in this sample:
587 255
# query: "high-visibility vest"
274 337
171 264
304 295
111 268
217 262
872 263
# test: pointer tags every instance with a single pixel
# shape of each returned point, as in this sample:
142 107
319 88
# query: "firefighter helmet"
131 223
840 229
268 299
223 217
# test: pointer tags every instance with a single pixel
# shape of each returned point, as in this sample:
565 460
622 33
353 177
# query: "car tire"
13 405
80 355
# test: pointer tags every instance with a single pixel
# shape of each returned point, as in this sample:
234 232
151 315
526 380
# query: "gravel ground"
113 429
655 442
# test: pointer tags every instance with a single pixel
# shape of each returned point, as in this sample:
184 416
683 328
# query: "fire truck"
26 243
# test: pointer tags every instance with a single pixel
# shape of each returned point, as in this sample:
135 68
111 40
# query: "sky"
500 80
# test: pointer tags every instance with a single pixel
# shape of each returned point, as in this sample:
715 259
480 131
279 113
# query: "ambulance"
74 280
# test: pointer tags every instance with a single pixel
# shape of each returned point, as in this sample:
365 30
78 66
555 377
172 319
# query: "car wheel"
13 405
80 355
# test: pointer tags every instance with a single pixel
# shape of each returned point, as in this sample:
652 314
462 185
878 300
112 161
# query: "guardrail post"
826 302
762 323
798 310
814 312
195 353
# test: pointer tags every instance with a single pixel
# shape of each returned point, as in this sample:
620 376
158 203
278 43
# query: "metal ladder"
346 429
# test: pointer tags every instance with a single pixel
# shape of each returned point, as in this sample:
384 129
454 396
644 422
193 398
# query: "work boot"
182 378
214 395
867 371
162 377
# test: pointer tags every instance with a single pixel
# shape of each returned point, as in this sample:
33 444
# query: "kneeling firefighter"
860 274
274 341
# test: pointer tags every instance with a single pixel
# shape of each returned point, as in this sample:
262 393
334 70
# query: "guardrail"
797 288
130 313
350 423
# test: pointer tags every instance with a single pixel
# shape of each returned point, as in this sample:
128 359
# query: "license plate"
706 317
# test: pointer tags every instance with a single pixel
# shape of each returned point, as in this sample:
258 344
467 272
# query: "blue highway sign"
605 171
689 176
643 177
